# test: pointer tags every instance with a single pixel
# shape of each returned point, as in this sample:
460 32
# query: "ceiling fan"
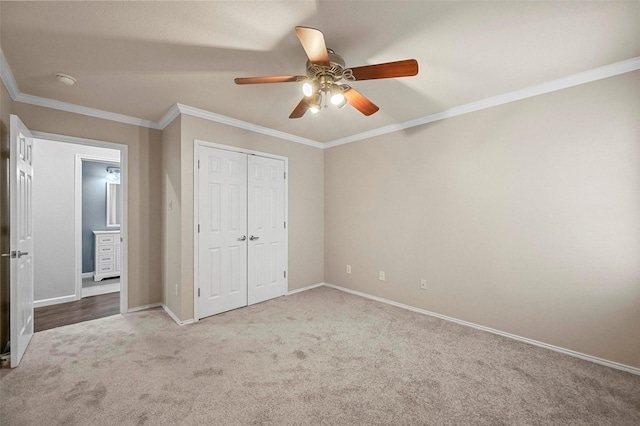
325 70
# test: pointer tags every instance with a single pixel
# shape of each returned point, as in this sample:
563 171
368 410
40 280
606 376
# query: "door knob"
244 237
15 254
252 238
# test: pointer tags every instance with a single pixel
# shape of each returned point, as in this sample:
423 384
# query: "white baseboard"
580 355
309 287
166 309
144 307
87 275
100 289
175 317
54 301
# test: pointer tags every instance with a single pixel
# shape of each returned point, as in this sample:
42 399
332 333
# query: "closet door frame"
197 143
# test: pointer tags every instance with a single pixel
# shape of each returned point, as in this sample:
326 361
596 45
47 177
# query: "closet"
241 238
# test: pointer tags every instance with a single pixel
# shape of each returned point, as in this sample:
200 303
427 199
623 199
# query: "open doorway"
79 214
98 201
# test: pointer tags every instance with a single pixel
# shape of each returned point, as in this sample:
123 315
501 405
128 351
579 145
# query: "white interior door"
222 237
20 238
266 227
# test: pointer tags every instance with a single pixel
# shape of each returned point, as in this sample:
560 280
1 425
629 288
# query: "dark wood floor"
81 310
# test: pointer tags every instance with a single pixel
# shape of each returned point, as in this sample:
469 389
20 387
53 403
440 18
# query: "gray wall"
94 207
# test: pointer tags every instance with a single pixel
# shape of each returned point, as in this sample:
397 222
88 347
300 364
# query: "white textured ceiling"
140 58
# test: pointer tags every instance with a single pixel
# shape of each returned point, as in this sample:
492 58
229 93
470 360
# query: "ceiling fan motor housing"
327 75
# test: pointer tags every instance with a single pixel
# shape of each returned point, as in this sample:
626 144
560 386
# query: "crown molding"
223 119
169 116
539 89
563 83
7 77
82 110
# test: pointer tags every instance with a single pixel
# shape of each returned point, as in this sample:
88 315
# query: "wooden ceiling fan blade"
271 79
300 109
406 68
313 44
359 102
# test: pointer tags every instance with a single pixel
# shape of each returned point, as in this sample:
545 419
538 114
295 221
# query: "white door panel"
222 209
266 227
21 238
242 239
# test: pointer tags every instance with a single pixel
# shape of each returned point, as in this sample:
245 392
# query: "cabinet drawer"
106 268
106 249
106 239
107 258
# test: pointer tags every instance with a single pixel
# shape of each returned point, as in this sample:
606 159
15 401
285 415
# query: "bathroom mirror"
114 209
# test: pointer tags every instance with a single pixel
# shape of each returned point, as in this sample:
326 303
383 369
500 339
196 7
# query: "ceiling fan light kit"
314 102
325 69
308 88
337 97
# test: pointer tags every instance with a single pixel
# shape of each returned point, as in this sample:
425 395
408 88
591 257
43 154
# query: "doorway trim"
197 143
77 199
124 226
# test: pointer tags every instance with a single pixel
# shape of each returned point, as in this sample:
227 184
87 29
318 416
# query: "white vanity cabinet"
107 254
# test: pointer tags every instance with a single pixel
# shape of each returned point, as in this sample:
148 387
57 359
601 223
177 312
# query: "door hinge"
285 225
198 291
198 163
198 228
285 274
285 175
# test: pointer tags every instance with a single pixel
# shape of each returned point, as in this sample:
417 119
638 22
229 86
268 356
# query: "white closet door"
222 244
267 237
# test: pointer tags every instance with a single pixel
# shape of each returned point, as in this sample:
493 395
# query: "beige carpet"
320 357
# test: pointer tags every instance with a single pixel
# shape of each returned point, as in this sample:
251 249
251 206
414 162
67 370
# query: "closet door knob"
252 238
244 237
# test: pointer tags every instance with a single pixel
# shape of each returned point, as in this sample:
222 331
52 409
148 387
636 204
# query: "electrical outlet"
382 278
176 289
423 284
348 269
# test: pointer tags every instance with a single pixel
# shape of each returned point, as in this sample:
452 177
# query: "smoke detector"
65 79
